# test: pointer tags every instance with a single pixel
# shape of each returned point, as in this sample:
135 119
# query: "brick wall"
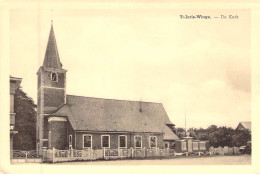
45 128
48 82
58 137
53 97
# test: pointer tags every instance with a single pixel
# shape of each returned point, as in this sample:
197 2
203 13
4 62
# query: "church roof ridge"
114 99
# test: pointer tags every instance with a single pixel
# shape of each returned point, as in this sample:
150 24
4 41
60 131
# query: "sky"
200 68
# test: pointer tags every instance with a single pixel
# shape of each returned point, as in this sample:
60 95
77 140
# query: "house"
76 122
244 126
14 83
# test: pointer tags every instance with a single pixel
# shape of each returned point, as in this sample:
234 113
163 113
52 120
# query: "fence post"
26 155
104 153
71 153
53 154
132 152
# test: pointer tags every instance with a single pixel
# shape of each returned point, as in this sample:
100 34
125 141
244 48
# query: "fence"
224 150
25 156
54 155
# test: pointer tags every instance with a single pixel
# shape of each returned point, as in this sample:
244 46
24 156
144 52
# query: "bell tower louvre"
51 90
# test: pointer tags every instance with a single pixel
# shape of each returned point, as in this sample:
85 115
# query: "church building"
77 122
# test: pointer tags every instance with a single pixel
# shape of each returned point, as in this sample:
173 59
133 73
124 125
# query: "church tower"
51 90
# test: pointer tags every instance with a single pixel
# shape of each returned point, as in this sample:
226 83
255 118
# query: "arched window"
54 77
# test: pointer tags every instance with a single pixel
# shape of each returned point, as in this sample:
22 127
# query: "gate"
25 156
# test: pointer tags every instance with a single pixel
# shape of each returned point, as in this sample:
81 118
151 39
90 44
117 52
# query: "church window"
122 141
54 77
138 141
153 141
70 139
105 141
87 141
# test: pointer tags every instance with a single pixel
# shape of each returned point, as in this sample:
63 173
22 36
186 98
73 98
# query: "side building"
14 83
244 126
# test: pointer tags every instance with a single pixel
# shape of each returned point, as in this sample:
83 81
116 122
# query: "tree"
202 134
218 136
221 137
180 132
25 121
212 128
241 137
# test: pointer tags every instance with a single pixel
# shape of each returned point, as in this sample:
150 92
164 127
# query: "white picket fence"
54 155
224 150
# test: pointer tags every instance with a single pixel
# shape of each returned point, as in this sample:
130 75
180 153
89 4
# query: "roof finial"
51 16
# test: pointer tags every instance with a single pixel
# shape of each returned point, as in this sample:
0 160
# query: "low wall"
224 150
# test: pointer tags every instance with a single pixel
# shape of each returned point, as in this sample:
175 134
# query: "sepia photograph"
128 84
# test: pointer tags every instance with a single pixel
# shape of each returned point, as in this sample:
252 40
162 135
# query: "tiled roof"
97 114
51 58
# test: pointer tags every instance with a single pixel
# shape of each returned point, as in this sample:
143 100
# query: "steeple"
51 58
51 91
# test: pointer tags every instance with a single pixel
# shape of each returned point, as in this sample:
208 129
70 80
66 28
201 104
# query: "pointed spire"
52 58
